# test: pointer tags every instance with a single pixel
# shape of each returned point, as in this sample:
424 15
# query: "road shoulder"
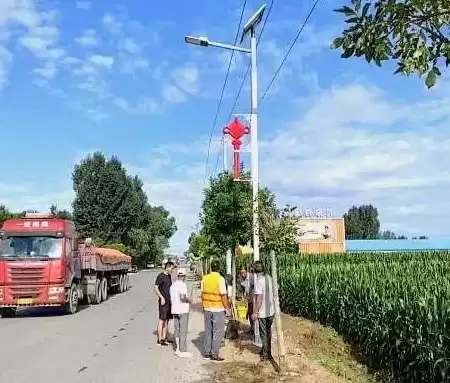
314 354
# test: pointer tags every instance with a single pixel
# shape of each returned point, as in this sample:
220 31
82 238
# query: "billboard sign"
314 230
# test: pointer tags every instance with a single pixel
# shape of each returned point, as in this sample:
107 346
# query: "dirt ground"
313 354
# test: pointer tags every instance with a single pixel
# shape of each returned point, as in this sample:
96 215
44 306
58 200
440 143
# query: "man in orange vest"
215 306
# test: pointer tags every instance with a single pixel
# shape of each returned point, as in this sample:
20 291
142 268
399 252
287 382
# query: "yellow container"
241 309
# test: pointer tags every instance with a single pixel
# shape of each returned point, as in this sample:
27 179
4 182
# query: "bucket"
241 309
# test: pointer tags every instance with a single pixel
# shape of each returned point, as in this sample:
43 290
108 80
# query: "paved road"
110 343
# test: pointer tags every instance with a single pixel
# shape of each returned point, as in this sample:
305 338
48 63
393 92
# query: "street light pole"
250 27
254 144
225 153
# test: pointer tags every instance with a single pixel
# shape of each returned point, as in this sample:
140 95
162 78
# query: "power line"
289 50
222 93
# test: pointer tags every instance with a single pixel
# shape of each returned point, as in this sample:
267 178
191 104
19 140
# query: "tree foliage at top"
387 234
63 214
199 245
111 207
5 214
362 222
415 33
227 221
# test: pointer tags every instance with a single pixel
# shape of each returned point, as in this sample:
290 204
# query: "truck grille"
25 292
26 275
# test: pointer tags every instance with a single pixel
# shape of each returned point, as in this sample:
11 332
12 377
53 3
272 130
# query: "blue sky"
80 76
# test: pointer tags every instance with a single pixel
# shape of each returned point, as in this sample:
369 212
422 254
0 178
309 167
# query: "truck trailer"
44 263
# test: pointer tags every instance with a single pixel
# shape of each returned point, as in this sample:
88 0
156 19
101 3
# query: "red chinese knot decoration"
236 130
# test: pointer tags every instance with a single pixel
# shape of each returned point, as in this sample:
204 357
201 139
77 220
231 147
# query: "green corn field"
393 307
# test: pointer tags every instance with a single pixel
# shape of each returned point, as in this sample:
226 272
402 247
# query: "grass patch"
323 346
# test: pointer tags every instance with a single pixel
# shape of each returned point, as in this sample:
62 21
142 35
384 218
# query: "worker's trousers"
214 331
265 332
181 322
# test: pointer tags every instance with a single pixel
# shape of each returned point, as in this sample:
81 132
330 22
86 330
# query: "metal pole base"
256 337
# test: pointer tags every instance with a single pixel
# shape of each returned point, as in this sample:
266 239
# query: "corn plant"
395 307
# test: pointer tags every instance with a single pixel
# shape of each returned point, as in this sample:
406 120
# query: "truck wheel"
127 282
8 312
97 298
121 284
104 289
124 283
71 307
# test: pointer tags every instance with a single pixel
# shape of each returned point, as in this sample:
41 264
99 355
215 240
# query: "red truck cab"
38 261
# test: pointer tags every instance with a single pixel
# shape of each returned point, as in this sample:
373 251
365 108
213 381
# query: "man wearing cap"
180 310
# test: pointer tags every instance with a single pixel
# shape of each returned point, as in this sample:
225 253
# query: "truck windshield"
31 247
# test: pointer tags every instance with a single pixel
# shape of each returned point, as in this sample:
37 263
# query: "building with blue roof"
388 245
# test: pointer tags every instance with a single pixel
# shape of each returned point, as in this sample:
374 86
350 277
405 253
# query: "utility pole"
225 153
254 144
249 27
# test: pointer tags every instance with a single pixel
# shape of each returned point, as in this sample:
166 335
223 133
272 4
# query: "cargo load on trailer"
44 263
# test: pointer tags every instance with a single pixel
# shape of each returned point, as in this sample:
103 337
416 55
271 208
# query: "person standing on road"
179 299
162 289
248 284
264 309
215 306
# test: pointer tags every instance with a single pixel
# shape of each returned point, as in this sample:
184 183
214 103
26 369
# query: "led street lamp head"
203 41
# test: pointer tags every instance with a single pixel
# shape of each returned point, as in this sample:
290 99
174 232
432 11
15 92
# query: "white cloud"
33 25
41 40
146 105
88 38
224 61
131 64
102 61
129 45
186 78
351 145
354 145
48 71
5 59
112 24
84 5
173 94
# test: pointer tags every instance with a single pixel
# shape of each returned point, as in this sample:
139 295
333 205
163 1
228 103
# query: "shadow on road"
42 312
39 312
198 342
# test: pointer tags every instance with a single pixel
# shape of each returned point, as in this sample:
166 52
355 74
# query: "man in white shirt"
264 309
180 311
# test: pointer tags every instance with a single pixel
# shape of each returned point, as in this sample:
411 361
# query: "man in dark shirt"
162 289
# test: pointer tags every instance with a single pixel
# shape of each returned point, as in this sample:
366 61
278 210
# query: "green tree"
226 213
414 33
112 207
279 230
5 214
362 222
387 234
64 214
198 245
151 239
227 220
105 204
